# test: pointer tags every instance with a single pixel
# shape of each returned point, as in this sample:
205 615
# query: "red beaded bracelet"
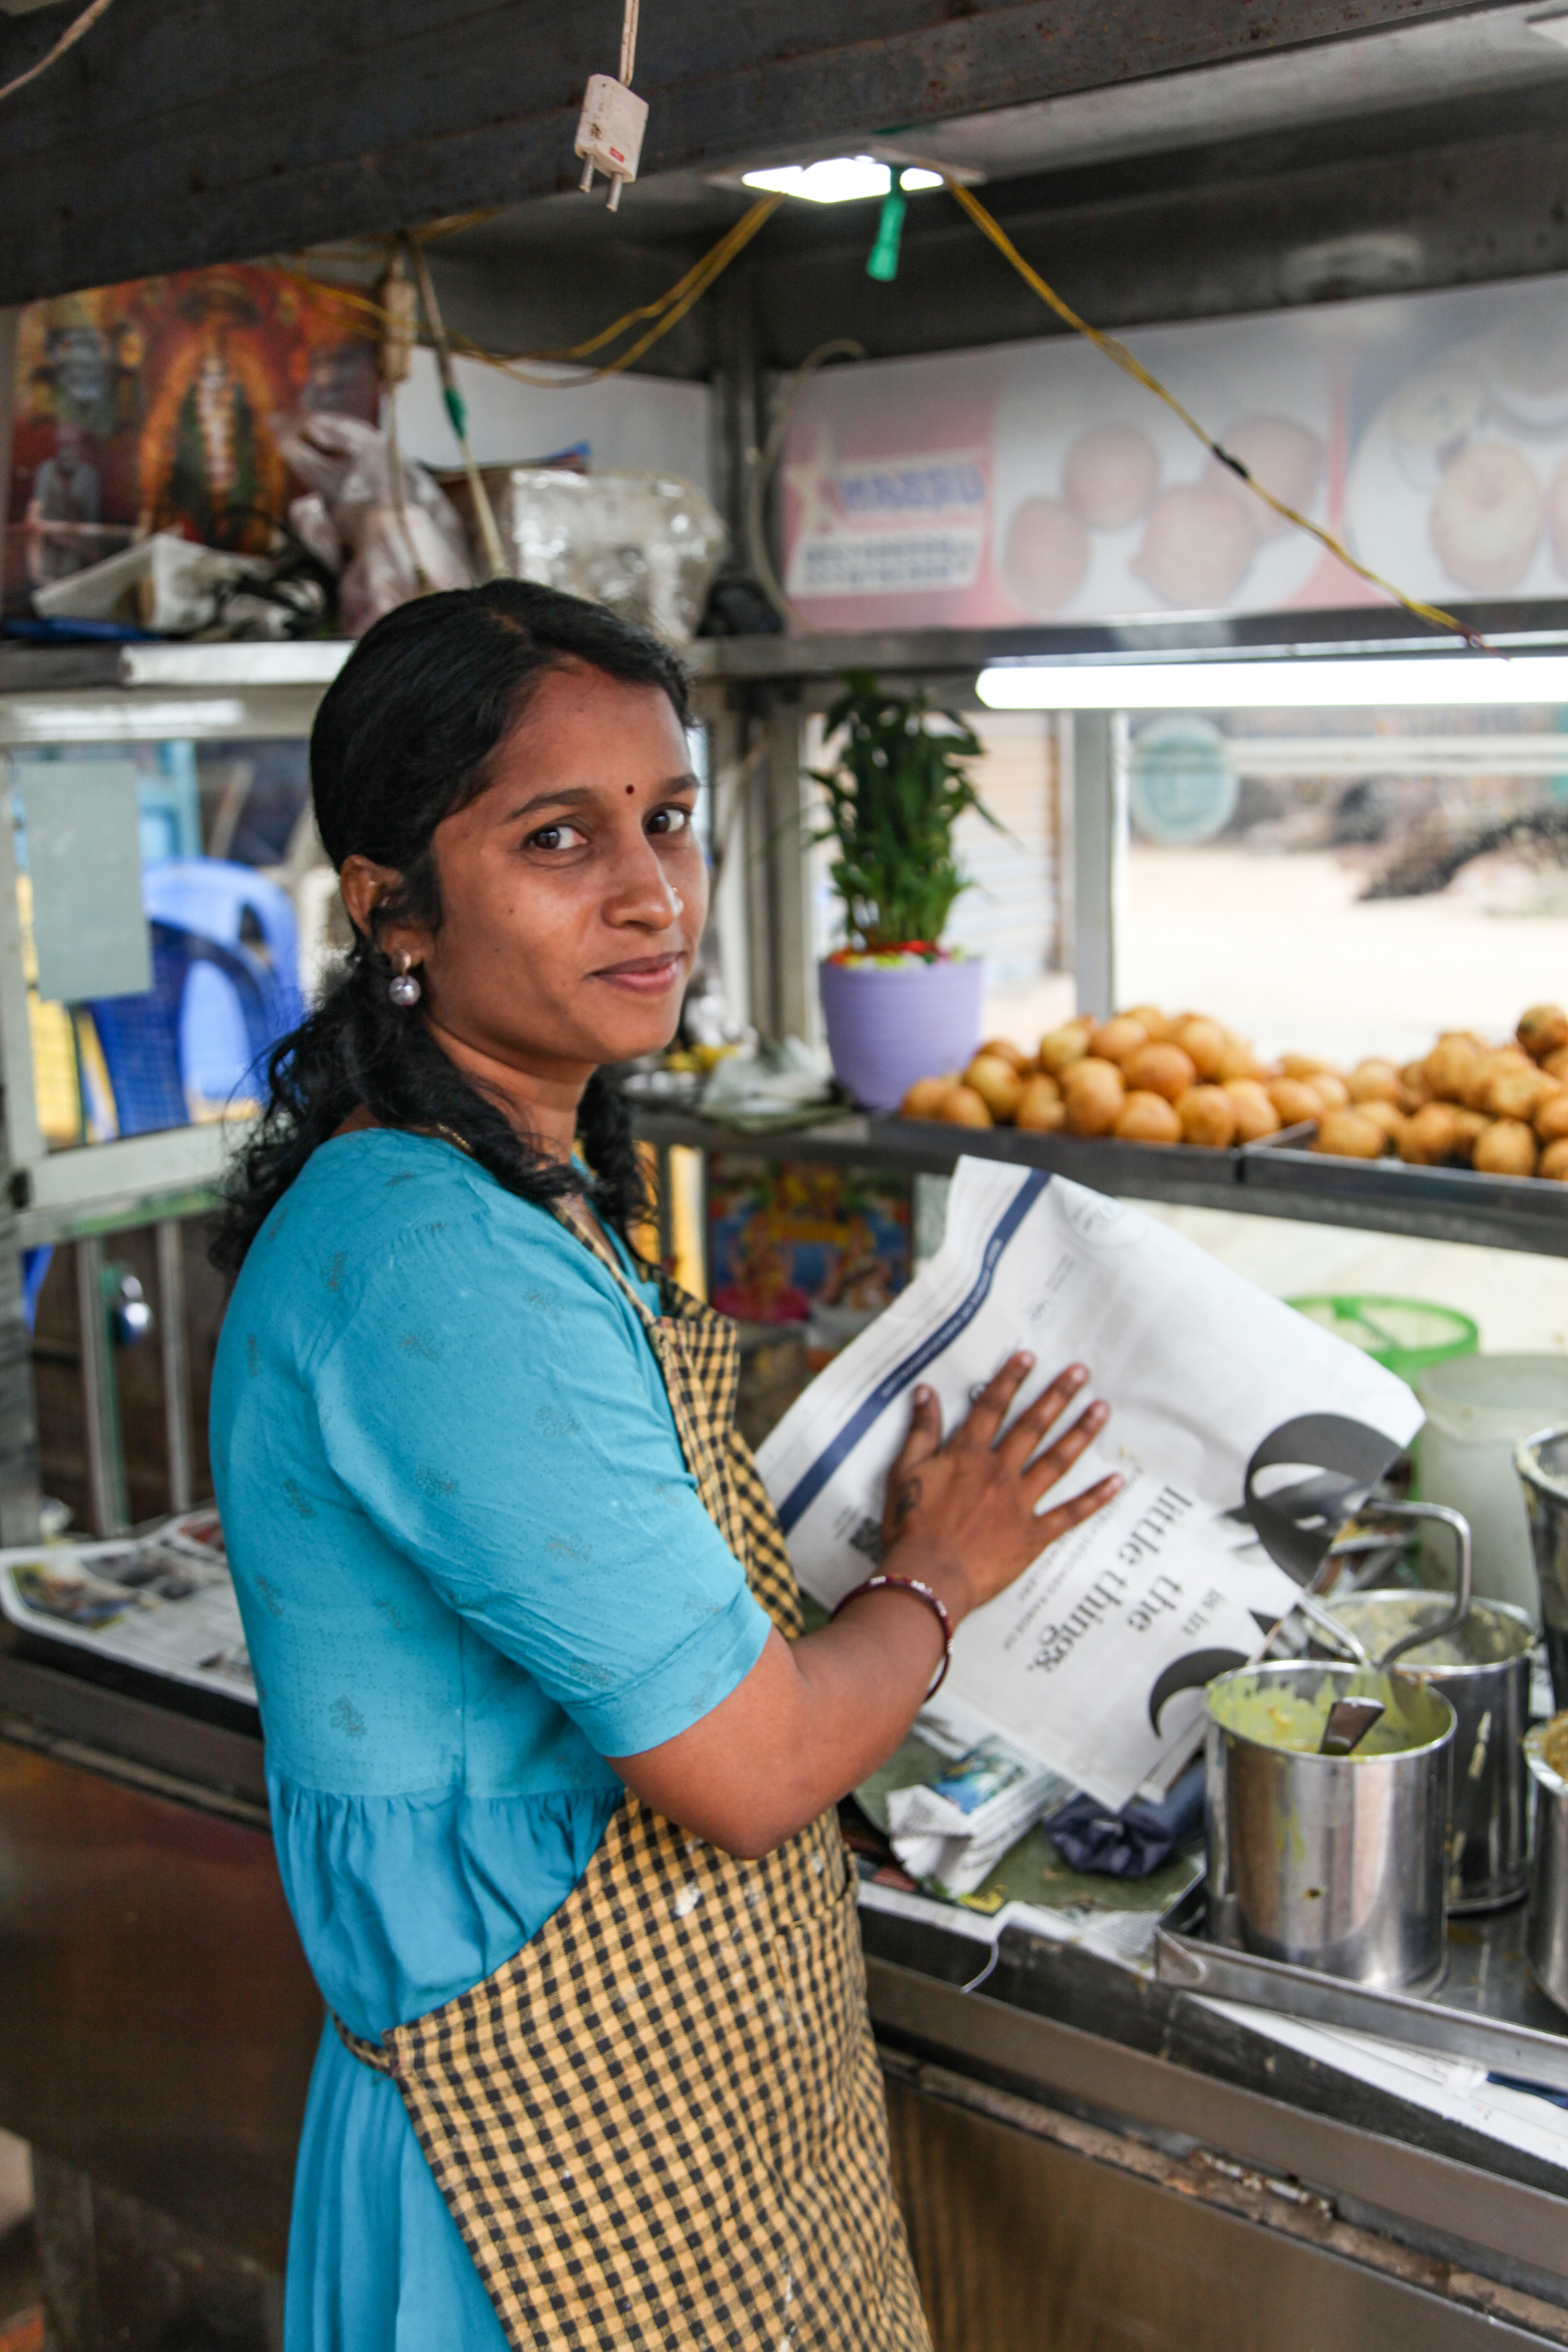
922 1592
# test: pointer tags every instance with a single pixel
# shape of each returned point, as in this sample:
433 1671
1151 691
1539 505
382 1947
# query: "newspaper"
951 1831
1245 1434
163 1601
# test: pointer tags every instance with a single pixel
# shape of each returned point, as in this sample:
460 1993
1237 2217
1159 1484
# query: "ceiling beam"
184 131
1209 232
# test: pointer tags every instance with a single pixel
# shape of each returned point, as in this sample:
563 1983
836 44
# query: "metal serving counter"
1088 2159
1367 2199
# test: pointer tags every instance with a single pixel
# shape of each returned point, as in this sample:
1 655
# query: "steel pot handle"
1460 1527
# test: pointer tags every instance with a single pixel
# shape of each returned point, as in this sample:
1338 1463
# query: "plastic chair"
209 898
142 1036
36 1264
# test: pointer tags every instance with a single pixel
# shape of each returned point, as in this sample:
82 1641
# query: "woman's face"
574 889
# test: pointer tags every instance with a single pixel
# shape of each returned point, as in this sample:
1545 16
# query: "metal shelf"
948 653
102 1188
1446 1205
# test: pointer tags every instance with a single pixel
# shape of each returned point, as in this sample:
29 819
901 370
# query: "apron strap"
369 2053
592 1236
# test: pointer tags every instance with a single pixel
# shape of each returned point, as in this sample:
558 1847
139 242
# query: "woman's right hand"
962 1515
814 1716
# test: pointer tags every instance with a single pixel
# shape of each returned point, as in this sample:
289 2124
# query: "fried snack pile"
1148 1077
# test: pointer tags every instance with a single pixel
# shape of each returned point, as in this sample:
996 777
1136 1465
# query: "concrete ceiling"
188 130
1158 158
1409 156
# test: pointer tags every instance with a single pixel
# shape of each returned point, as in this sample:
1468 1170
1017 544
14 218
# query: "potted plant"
898 1004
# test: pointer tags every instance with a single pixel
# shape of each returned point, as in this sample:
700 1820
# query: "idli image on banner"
1104 506
1459 477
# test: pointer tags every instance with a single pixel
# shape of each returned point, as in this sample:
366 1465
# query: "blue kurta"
472 1564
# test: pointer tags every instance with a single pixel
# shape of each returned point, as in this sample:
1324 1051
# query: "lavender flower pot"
889 1025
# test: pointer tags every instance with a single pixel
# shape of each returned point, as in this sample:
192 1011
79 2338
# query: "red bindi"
630 790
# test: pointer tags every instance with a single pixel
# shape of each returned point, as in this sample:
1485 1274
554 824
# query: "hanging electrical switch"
613 119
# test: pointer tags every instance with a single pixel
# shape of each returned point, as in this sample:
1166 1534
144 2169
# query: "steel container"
1541 1462
1329 1861
1482 1668
1546 1933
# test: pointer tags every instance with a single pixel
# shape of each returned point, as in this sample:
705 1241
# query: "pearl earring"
404 989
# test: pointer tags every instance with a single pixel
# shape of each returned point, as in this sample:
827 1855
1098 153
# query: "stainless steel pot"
1541 1462
1482 1668
1546 1933
1329 1861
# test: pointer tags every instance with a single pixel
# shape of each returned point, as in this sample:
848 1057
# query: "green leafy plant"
900 787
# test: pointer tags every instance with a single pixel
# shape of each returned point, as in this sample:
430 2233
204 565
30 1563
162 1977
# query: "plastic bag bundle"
384 553
646 545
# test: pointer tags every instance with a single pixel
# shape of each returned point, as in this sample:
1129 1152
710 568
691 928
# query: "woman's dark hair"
403 739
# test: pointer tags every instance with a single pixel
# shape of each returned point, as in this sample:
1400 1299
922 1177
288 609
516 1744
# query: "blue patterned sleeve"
490 1400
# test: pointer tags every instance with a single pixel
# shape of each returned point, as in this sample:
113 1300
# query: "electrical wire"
629 40
1119 356
484 513
67 40
666 310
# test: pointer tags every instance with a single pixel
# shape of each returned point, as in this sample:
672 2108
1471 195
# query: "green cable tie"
883 264
456 410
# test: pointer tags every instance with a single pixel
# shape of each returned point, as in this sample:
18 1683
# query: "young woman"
552 1778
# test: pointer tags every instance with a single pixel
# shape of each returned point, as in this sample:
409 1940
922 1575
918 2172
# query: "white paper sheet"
164 1601
1455 2088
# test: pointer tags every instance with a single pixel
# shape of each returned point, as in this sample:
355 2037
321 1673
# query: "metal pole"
664 1203
793 961
100 1398
1099 856
21 1143
18 1417
177 1361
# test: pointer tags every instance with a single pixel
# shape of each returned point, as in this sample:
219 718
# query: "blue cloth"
472 1564
1134 1843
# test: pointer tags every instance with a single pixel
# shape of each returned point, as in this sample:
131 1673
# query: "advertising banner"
1036 482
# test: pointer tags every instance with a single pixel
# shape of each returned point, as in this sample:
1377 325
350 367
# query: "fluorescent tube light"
917 176
114 718
1400 681
838 180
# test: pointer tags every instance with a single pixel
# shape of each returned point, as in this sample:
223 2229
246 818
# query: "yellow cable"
666 310
1119 356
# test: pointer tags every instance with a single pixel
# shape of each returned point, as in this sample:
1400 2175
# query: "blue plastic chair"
217 1031
36 1264
212 898
142 1036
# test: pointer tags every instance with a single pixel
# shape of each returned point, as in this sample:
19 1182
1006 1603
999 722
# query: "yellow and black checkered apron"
660 2124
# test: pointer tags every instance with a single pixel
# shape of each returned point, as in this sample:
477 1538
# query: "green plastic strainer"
1405 1335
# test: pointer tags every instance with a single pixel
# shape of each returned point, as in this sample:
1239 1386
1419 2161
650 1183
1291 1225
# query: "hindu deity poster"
153 406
